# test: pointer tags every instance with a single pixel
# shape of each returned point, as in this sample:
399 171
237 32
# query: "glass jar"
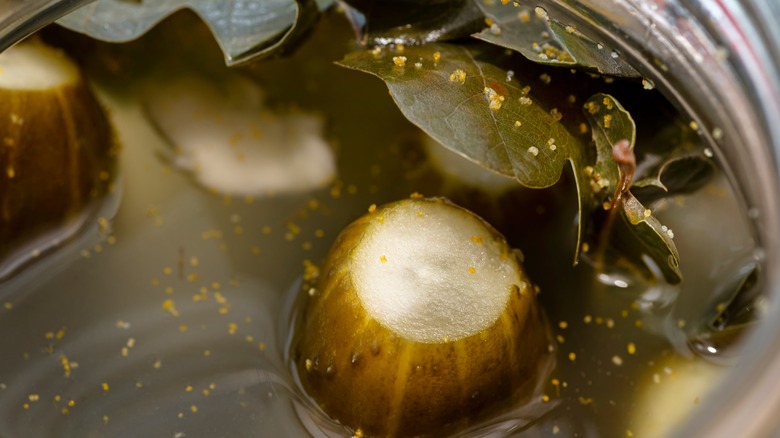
719 62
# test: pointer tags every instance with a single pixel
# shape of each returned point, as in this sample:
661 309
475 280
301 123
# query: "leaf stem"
625 159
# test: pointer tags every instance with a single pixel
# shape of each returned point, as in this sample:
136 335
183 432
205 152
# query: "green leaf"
461 95
379 23
245 31
637 234
675 175
679 164
739 309
543 39
732 317
609 123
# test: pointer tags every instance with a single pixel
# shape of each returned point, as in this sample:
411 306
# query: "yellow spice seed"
383 259
458 76
472 270
170 307
104 385
194 409
631 348
572 356
436 56
495 100
188 388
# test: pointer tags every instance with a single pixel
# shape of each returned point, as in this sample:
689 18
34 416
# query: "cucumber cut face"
423 319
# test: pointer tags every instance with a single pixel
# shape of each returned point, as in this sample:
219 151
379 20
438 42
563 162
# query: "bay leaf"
637 234
541 38
463 96
410 22
245 31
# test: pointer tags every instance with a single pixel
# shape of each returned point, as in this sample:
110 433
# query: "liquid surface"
171 321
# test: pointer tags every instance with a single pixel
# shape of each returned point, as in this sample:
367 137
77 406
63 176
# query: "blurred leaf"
461 96
412 22
731 319
543 39
675 176
678 165
740 307
637 235
244 30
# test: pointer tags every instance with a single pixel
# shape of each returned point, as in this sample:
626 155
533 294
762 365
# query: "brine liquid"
172 321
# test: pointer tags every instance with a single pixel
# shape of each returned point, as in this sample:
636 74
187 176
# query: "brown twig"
626 162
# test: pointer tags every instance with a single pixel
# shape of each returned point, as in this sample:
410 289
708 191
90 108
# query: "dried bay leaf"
543 39
463 97
637 234
244 30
